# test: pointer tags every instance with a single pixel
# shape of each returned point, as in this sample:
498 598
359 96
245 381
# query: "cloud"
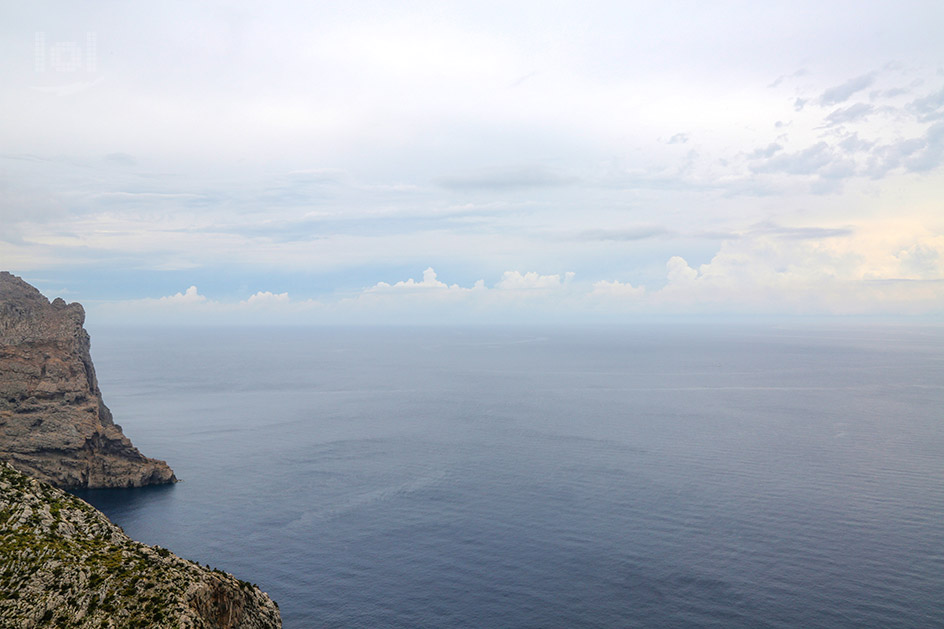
841 93
809 161
121 159
125 197
931 154
67 89
189 296
319 175
849 114
190 306
802 233
266 297
852 143
624 235
617 289
679 138
916 155
517 281
923 259
428 283
780 79
767 151
881 269
511 179
678 272
929 108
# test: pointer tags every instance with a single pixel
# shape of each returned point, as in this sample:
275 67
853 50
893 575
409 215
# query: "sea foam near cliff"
546 478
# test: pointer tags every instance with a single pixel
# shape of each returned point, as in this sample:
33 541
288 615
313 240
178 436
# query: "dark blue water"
644 477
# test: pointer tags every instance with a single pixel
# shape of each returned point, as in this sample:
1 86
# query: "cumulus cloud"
190 306
515 280
874 270
267 297
189 296
429 282
923 259
678 272
615 288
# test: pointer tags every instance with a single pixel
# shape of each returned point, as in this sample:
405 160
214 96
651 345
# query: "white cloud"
469 142
266 297
615 288
189 296
429 282
515 280
678 271
884 269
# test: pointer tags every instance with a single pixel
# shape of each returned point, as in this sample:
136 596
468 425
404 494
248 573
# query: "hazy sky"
474 161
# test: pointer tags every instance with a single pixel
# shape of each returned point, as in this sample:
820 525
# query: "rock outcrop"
53 423
64 564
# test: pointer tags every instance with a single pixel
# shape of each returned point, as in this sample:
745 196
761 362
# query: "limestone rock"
64 564
53 422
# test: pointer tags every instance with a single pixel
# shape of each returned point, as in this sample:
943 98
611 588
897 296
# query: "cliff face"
53 423
66 565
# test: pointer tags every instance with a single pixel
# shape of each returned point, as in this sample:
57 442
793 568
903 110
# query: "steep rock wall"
53 422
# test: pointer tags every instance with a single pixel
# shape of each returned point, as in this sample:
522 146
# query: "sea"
543 477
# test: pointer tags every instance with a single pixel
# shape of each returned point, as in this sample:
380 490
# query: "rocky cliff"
64 564
53 423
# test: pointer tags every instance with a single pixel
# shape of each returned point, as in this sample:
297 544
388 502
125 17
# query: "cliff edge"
53 423
66 565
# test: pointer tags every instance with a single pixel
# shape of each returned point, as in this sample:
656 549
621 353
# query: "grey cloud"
828 166
319 175
931 154
521 80
849 114
780 79
801 233
889 93
800 103
625 235
717 235
914 154
679 138
767 151
852 143
150 198
890 156
121 159
921 260
505 179
930 107
841 93
805 162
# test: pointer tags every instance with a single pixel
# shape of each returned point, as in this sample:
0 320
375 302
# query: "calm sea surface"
612 477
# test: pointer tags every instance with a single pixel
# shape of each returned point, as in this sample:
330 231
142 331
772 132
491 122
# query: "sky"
464 162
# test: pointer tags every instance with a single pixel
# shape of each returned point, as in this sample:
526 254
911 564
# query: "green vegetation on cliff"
64 564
